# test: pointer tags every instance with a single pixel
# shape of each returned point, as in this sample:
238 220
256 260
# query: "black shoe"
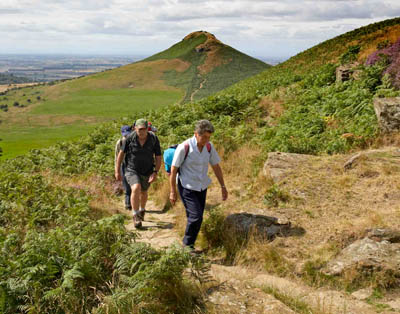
137 221
141 214
128 207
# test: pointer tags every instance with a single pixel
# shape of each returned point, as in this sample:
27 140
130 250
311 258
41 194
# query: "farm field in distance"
45 68
39 122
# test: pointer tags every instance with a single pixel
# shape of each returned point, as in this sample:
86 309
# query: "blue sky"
259 28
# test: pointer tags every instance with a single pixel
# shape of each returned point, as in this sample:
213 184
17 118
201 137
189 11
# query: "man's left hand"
224 192
153 177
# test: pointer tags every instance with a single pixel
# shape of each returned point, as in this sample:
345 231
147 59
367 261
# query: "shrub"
275 196
212 227
350 55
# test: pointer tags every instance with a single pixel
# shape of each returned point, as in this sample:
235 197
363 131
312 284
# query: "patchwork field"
39 122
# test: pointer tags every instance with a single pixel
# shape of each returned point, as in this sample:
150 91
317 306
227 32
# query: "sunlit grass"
19 140
108 103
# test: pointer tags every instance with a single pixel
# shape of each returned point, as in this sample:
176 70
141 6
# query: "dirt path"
240 290
197 90
157 228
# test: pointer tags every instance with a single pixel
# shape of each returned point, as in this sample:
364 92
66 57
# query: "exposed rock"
346 72
343 73
395 304
279 165
362 294
382 234
263 227
350 163
388 112
369 255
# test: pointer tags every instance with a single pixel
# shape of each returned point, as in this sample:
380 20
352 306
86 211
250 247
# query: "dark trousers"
194 203
127 188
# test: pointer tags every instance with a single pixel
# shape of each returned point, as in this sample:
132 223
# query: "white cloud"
258 27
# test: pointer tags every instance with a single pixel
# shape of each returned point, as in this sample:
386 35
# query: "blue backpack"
170 152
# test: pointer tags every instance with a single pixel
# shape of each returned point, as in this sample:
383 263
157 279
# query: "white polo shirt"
193 171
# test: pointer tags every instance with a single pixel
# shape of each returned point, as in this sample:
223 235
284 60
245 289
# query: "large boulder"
264 227
279 165
377 255
387 111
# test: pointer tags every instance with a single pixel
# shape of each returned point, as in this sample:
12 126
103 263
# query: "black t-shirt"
140 159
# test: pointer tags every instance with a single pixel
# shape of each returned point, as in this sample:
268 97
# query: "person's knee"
136 188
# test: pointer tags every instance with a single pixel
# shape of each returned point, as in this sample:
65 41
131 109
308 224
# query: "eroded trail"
237 289
197 90
157 227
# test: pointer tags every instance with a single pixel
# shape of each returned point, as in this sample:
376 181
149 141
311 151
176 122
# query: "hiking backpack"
168 159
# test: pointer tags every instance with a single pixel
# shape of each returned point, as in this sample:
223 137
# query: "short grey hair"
203 126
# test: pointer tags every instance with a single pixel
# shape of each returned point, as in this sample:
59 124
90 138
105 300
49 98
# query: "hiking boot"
136 220
141 214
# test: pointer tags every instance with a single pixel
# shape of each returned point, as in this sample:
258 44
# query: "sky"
269 29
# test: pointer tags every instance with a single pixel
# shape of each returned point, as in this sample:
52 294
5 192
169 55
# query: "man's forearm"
119 161
158 163
172 179
218 173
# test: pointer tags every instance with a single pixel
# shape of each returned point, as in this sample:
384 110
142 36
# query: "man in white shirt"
191 159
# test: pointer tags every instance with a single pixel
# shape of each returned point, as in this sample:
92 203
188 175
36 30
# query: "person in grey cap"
143 161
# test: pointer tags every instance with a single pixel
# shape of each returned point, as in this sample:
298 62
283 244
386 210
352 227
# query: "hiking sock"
141 213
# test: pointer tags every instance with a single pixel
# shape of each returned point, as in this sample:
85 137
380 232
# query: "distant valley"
45 68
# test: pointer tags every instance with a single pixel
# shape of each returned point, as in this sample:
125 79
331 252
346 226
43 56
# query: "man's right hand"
172 198
118 176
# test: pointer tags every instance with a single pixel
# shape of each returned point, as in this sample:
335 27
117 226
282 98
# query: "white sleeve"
214 157
179 156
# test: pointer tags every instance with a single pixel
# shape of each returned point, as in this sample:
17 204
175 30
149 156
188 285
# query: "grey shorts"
134 178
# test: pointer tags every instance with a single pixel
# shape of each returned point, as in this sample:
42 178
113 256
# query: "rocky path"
197 90
240 290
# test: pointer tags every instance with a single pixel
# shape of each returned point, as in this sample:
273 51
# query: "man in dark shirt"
141 147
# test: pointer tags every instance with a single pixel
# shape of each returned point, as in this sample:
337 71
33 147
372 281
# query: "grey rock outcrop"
279 165
242 225
387 111
372 254
351 162
347 72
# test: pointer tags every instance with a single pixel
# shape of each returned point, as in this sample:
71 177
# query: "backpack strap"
186 145
186 150
208 145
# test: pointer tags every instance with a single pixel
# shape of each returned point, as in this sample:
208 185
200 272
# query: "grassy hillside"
214 65
68 256
368 38
194 68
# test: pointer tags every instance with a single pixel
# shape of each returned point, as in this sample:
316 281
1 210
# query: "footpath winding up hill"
196 67
311 160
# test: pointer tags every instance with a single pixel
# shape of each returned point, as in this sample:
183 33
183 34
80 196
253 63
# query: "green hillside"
194 68
65 250
213 65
